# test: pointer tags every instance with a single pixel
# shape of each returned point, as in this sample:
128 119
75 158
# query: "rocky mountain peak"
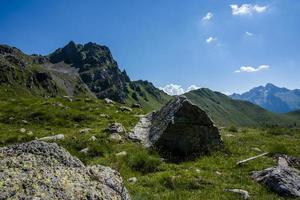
272 98
97 69
270 85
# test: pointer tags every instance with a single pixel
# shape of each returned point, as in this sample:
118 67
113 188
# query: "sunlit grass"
203 178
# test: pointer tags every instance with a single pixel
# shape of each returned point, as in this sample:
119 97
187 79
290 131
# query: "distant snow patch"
174 89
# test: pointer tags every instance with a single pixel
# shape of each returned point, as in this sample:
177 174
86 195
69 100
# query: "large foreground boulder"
180 130
282 179
40 170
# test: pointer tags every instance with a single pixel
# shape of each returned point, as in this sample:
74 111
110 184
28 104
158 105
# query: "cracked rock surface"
40 170
282 179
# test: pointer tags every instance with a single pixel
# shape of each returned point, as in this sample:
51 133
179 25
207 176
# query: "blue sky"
228 46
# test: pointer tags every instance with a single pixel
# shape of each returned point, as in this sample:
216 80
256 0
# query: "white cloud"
207 17
249 34
174 89
211 40
249 69
247 9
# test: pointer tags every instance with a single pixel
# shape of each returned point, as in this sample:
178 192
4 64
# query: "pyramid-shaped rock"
179 131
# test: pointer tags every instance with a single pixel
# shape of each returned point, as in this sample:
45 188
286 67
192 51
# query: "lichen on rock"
46 171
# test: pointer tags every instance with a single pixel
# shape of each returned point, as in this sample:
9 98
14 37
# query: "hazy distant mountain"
272 98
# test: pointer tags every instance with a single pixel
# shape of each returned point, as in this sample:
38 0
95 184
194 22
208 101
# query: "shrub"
278 149
144 162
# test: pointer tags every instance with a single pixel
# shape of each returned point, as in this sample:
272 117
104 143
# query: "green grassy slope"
37 76
294 115
144 93
204 178
225 111
34 75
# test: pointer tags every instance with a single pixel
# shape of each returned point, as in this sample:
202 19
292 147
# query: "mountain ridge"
87 70
272 98
226 111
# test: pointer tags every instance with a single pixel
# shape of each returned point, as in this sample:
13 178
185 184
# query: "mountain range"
90 71
75 70
272 98
226 111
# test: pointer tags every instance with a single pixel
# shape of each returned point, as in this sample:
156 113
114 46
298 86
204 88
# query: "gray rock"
93 138
244 194
108 101
54 137
25 121
104 115
122 153
132 180
68 98
40 170
85 130
136 105
140 132
115 137
282 179
22 130
85 150
125 108
29 133
179 131
116 128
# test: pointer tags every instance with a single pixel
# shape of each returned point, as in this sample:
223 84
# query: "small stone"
22 130
29 133
54 137
85 130
108 101
25 122
115 137
116 128
85 150
58 104
256 149
132 180
68 98
93 139
122 153
125 108
104 115
244 194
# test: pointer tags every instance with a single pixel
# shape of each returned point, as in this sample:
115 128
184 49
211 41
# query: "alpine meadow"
147 100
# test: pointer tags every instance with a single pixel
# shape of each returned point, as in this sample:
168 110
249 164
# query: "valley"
71 102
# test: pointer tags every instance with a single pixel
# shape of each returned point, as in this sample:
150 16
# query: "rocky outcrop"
40 170
179 131
37 75
282 179
97 69
75 70
116 128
